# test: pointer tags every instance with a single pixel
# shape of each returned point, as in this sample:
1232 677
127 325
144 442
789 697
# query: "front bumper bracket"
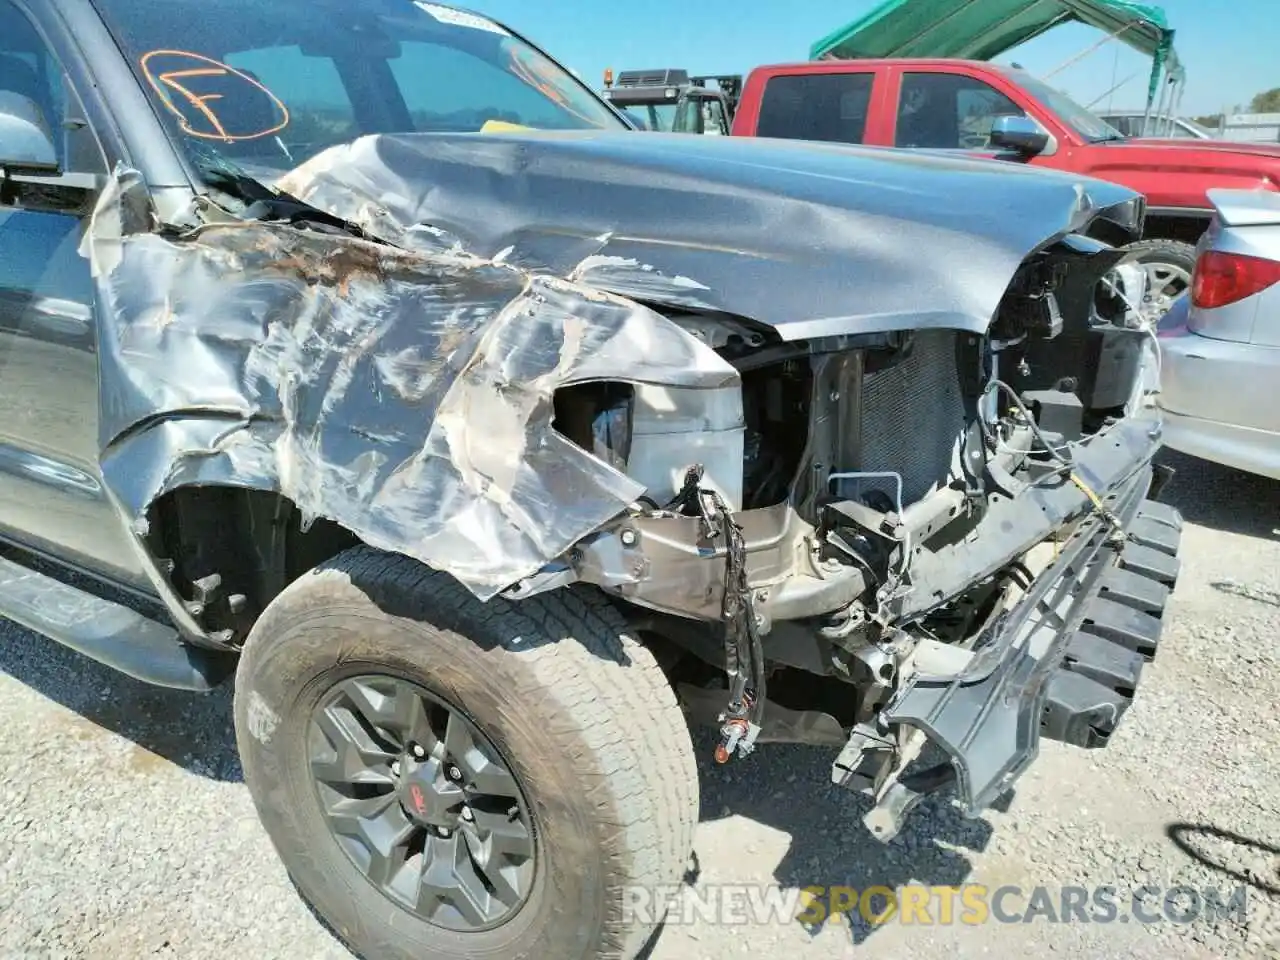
1064 663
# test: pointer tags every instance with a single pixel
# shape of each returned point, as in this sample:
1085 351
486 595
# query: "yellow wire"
1088 493
1098 505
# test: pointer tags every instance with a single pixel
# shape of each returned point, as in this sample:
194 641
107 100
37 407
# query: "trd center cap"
428 796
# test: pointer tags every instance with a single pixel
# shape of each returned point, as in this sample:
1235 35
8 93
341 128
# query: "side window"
816 106
28 69
946 111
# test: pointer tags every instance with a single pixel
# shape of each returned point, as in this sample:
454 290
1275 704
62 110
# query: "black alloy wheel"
421 802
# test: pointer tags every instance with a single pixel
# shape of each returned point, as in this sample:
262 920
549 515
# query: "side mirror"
25 141
1019 134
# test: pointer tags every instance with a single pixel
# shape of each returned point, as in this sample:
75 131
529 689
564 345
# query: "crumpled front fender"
406 396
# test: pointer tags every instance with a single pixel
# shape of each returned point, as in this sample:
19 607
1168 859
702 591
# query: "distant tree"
1266 102
1209 120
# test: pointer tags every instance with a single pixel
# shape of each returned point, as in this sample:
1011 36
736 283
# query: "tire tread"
611 698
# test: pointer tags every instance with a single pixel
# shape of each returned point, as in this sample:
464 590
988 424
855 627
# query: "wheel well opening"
229 551
1182 229
1108 232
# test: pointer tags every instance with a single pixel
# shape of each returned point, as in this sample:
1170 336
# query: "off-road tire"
578 708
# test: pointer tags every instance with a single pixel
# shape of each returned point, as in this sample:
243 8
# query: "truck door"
948 111
51 496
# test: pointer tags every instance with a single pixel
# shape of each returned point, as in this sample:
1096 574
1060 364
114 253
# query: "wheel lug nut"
395 768
467 815
454 773
444 833
418 751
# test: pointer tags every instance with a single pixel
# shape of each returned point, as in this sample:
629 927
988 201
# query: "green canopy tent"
983 29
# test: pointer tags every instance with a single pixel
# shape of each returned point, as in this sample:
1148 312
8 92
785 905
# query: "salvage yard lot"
125 829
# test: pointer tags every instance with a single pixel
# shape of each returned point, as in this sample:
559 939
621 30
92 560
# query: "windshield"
654 116
1088 125
251 85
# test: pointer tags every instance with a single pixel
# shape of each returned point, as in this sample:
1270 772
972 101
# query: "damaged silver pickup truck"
362 353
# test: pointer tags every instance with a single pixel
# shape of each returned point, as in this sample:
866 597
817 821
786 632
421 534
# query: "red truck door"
923 104
951 106
833 102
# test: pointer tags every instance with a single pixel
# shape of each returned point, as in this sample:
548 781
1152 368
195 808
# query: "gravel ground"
125 829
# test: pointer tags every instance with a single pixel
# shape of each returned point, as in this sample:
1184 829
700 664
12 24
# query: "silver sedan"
1220 375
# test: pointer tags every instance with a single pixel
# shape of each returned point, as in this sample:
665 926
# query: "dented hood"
812 239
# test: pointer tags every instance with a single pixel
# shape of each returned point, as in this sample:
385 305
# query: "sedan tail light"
1220 279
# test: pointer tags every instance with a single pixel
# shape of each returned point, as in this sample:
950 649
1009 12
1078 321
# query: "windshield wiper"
268 204
236 183
1108 138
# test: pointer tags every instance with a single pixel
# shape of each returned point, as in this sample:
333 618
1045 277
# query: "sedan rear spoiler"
1246 208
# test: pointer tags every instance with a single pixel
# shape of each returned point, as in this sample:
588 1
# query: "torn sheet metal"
813 239
405 391
405 396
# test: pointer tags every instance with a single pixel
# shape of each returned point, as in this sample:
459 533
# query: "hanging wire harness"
743 649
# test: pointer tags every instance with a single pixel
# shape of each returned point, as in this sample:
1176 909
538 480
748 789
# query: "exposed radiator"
913 416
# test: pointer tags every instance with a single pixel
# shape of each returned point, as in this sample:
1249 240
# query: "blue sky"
1228 46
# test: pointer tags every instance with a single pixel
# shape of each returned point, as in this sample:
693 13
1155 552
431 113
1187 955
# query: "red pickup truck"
1007 113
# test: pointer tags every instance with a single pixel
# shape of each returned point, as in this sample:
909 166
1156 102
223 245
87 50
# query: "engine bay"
810 510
